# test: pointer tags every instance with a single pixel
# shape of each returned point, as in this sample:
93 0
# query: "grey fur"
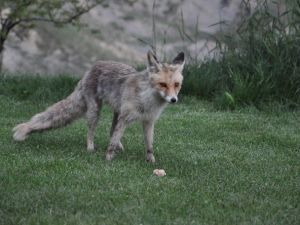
129 93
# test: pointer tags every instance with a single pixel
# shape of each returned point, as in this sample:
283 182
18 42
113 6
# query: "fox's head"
166 78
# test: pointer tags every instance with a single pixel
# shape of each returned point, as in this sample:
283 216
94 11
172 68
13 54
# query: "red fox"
132 95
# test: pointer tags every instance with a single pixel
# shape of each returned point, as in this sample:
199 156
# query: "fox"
132 96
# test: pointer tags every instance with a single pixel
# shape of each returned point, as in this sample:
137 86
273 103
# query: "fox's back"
111 69
106 80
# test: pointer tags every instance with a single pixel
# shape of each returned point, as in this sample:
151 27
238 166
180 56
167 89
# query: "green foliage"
201 80
260 63
37 88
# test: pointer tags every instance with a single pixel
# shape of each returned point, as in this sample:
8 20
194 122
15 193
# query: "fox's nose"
173 100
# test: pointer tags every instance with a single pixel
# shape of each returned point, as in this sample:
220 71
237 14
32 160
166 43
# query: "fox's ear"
153 64
179 61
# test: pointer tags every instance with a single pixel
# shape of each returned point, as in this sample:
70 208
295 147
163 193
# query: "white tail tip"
21 132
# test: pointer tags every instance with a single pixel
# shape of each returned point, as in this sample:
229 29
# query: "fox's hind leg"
116 138
92 115
113 126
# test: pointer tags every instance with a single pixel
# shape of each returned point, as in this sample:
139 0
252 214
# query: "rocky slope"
124 32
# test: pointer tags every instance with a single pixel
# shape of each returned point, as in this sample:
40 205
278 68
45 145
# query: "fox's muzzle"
171 99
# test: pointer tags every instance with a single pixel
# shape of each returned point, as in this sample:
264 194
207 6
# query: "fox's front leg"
115 139
148 127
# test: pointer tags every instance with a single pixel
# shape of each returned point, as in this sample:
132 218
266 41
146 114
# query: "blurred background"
238 52
124 31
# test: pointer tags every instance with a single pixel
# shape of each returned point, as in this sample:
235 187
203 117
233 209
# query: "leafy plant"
258 63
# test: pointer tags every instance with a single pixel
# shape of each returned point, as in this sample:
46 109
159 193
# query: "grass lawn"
239 167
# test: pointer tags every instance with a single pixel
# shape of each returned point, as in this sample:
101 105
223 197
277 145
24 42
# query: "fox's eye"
176 84
164 85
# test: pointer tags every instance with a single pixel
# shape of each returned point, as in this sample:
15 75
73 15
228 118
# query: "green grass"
238 167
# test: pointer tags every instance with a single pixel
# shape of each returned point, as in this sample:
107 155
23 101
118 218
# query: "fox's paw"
91 147
150 158
119 147
110 155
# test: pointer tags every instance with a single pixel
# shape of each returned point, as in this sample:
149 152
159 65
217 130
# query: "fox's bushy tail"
57 115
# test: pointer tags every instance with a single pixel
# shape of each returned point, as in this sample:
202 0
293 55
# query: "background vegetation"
259 64
256 64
